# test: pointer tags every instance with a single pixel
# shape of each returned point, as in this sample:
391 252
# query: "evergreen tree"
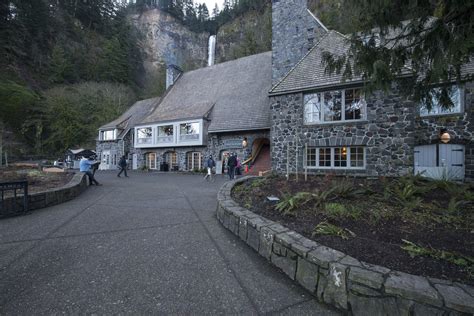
433 38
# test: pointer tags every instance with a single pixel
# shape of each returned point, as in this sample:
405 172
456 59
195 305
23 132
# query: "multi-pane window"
194 160
334 106
172 159
336 157
144 135
108 135
436 108
151 160
189 131
165 134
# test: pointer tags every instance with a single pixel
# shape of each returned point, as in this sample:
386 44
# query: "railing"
14 198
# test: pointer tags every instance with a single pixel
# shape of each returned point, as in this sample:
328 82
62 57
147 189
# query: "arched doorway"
171 158
193 160
150 160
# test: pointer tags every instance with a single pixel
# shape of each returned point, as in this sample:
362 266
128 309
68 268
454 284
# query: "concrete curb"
51 197
337 279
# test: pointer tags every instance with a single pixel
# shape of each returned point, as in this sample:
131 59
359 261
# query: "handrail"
254 155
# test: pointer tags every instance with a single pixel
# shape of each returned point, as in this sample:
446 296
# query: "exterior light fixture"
444 137
244 142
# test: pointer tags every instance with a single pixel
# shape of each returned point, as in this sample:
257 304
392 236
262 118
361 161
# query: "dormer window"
189 131
334 106
144 135
165 134
108 135
436 109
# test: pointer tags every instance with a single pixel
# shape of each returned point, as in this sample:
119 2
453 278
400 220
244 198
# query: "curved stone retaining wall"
338 279
51 197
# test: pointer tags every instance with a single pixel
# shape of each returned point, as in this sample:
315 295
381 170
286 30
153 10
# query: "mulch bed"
378 239
37 180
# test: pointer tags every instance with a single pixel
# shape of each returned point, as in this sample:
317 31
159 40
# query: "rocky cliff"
246 35
166 41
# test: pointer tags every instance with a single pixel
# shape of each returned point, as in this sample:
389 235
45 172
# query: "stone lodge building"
209 111
322 124
116 138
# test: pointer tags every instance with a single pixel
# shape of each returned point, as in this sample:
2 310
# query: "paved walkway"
148 244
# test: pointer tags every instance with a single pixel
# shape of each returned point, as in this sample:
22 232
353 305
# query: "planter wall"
340 280
49 197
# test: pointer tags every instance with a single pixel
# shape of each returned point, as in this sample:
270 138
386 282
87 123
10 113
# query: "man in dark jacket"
231 163
123 166
209 164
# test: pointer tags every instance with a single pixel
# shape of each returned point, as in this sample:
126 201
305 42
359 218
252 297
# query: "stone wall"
459 126
387 134
353 286
120 147
294 32
216 144
49 197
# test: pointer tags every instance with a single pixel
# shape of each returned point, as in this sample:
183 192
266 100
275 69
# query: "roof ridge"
226 62
300 61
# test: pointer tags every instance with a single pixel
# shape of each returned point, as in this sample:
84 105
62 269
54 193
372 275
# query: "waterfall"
211 50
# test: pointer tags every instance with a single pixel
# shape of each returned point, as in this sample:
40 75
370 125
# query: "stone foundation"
352 286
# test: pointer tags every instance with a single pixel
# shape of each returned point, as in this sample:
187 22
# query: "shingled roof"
236 91
310 71
132 116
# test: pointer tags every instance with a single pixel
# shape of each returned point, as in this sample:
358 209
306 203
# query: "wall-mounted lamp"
444 136
245 142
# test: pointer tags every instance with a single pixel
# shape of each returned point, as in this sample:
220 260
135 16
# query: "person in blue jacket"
85 166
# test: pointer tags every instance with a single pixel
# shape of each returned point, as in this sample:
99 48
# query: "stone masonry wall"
353 286
387 134
215 146
294 32
459 126
49 197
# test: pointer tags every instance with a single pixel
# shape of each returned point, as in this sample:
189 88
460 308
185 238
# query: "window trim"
461 106
332 153
199 141
343 107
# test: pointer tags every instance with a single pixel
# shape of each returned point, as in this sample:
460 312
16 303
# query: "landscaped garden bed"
408 224
37 180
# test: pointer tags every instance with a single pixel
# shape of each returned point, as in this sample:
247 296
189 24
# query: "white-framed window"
165 134
334 106
171 157
189 131
144 135
456 96
335 158
108 135
151 160
194 160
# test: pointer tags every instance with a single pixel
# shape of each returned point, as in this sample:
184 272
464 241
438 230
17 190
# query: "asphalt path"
147 244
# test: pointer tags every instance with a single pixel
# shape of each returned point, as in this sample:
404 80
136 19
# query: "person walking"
210 164
231 163
123 166
85 166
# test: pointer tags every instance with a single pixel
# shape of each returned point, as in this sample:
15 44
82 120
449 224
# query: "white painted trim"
333 167
317 20
176 135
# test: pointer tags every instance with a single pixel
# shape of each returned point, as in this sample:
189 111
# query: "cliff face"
246 35
166 41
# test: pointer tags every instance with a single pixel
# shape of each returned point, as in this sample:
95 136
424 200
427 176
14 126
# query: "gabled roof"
236 91
132 116
309 72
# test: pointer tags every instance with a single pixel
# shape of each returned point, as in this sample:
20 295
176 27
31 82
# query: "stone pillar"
295 31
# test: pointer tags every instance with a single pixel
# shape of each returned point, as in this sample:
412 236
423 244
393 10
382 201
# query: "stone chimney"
172 74
295 30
